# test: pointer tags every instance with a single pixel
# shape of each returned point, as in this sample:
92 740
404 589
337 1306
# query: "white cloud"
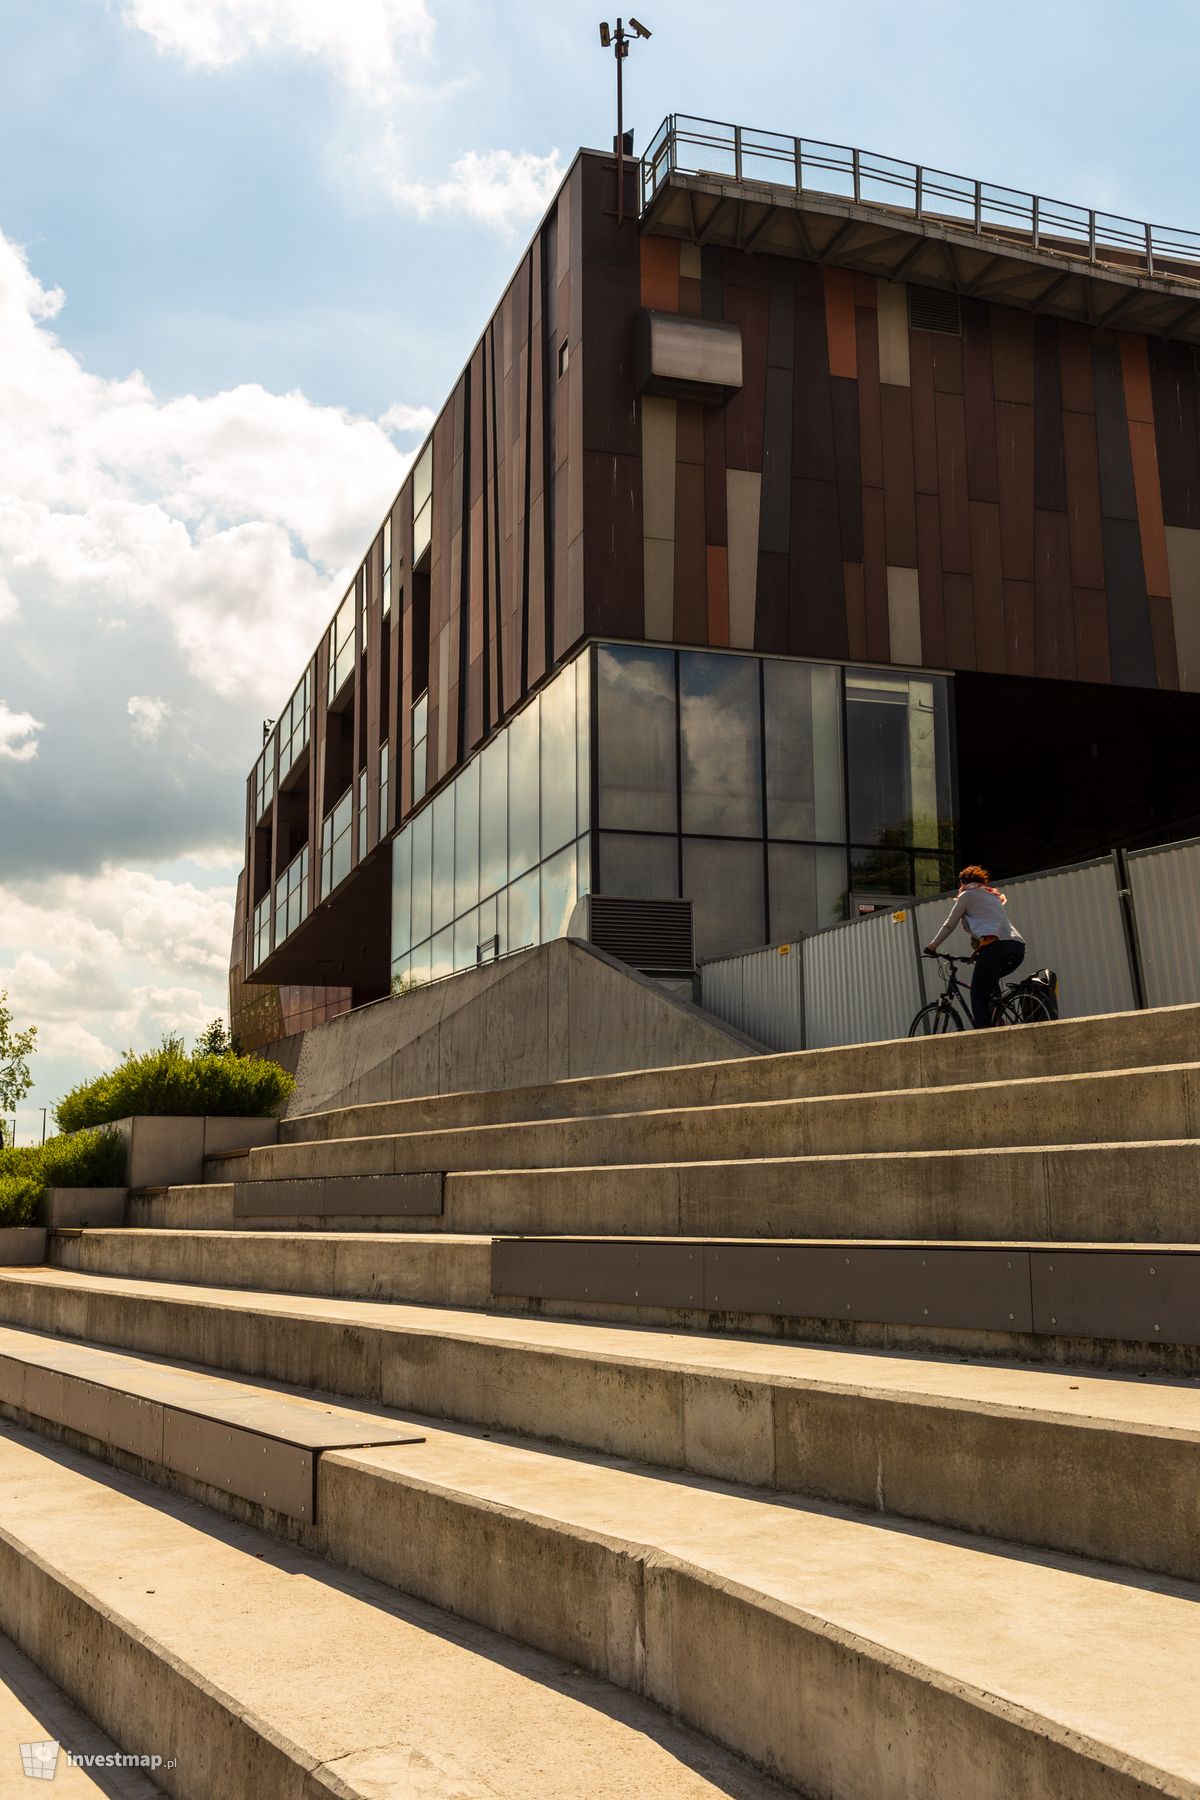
233 517
367 44
18 741
148 715
407 421
104 962
501 189
370 47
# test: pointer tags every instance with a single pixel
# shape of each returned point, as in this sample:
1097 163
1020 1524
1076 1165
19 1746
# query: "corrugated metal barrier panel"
861 981
1166 898
1072 923
760 992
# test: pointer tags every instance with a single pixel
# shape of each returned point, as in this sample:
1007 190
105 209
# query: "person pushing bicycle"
999 946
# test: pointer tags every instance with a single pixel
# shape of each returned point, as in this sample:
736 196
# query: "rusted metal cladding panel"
1165 885
1072 923
760 993
861 982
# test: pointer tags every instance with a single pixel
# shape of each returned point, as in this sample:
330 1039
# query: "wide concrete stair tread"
33 1712
1070 1046
1153 1103
963 1443
1013 1630
281 1676
1118 1191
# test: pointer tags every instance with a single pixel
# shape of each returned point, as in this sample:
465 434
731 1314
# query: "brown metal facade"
1010 493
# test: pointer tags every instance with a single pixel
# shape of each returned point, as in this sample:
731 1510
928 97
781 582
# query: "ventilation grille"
935 309
653 936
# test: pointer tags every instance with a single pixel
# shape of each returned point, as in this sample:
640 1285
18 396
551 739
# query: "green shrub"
167 1080
89 1159
19 1197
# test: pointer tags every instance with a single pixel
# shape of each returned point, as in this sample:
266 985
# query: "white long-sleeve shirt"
981 911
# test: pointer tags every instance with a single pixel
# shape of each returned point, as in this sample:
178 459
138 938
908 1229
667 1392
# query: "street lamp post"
618 41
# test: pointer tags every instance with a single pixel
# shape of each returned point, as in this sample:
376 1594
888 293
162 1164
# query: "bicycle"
951 1011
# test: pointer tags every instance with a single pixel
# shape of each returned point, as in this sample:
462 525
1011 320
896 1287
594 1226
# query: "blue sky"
244 246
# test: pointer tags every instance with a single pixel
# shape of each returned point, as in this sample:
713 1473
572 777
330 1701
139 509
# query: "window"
341 647
635 695
804 751
260 932
293 725
898 781
385 769
720 744
636 866
466 841
387 565
808 889
291 896
264 779
564 357
558 762
363 588
420 732
523 784
724 881
423 503
337 837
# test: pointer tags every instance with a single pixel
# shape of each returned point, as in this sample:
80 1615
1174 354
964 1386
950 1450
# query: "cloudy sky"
245 246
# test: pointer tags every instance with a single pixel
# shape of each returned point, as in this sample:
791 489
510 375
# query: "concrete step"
40 1731
1069 1047
1126 1106
809 1638
1096 1465
1141 1192
265 1673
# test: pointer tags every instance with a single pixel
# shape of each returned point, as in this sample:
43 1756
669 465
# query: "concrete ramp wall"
547 1014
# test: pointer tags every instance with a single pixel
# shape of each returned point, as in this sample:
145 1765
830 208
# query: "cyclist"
999 946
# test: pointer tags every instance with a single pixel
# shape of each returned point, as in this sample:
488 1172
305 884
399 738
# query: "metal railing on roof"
706 147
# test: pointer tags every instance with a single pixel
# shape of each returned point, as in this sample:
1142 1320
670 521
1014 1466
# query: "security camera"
639 28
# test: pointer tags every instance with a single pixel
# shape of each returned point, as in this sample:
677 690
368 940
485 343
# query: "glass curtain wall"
771 793
499 856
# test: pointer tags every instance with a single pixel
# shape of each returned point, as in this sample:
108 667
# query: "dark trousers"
992 964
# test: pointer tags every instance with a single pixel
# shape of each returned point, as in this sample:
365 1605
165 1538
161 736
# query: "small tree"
16 1047
214 1040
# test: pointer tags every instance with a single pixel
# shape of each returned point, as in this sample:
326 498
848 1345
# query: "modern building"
823 520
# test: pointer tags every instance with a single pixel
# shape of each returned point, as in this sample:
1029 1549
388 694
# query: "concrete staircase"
841 1407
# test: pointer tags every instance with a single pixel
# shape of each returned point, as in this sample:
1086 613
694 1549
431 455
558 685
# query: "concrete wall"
562 1010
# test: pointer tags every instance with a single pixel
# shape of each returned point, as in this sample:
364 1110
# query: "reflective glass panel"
885 870
493 917
524 911
466 838
418 965
466 938
720 744
637 867
441 954
558 761
808 890
402 893
493 816
583 753
804 751
724 880
443 858
897 753
558 893
523 780
635 705
422 871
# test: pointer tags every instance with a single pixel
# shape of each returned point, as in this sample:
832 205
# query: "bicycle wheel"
934 1019
1022 1009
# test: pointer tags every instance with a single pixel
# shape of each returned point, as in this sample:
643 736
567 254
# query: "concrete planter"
67 1207
169 1151
22 1244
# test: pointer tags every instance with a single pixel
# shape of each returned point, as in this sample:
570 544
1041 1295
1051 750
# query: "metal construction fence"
1119 931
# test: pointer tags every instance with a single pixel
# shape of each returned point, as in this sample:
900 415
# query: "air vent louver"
935 309
653 936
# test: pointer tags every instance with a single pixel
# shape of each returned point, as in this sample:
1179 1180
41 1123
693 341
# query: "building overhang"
929 250
346 940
